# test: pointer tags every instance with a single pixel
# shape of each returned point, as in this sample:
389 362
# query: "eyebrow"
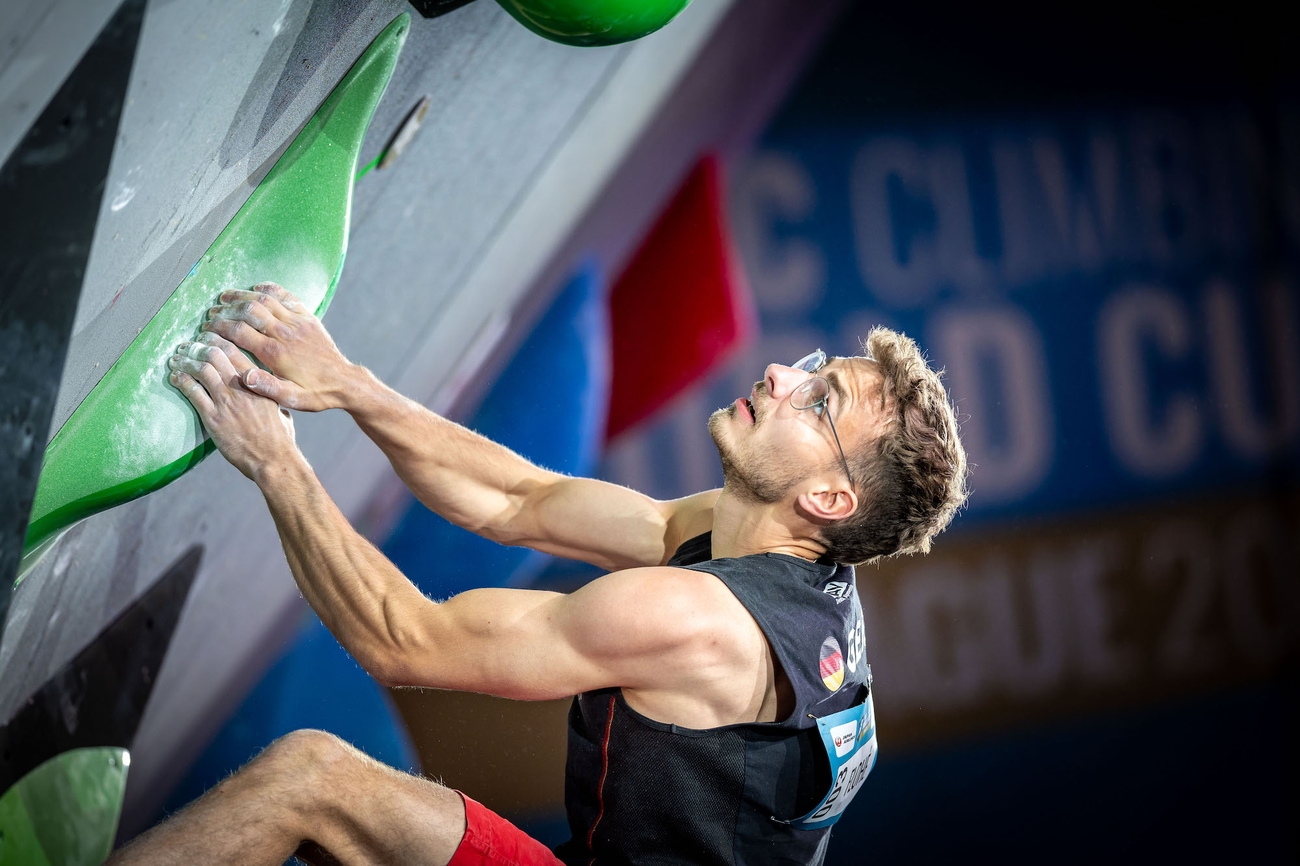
833 379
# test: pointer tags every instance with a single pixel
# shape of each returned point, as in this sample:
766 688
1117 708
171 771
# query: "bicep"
632 629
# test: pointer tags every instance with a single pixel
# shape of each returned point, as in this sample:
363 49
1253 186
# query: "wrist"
271 473
348 383
359 391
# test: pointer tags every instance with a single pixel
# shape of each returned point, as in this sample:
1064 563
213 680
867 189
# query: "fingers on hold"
198 368
192 390
212 338
238 360
282 295
278 310
201 354
248 311
218 358
180 362
242 311
273 289
198 350
242 334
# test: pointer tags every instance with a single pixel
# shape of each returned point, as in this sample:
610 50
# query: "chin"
717 422
752 486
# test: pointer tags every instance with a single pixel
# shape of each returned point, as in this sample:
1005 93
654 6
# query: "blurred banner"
1112 293
1032 623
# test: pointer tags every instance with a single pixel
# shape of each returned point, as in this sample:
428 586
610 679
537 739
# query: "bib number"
849 737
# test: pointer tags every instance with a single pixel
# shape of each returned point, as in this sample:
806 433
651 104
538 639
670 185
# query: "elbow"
386 670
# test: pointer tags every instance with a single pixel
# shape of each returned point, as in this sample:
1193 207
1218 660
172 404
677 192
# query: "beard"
751 479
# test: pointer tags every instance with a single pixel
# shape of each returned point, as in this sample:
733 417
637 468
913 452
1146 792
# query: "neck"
741 528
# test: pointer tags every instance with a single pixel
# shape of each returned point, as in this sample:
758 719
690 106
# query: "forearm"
369 605
488 489
459 474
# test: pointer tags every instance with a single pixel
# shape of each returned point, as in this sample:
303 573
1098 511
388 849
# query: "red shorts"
491 840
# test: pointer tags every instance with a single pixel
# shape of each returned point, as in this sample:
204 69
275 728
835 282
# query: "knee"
307 751
302 774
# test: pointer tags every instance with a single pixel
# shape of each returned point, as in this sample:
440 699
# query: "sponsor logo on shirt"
840 590
843 737
832 664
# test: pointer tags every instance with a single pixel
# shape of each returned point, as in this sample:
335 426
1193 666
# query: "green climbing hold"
134 432
593 22
65 812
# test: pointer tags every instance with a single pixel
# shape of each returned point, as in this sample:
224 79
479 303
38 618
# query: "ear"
827 504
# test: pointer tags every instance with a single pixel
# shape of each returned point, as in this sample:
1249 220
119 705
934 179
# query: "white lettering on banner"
1259 600
787 274
906 270
910 278
1148 446
1101 656
1002 341
1132 610
943 667
1233 380
1087 222
1168 438
1026 633
1146 188
1083 226
1174 549
1262 605
963 633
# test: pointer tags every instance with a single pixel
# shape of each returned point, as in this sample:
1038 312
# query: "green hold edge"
134 432
593 22
65 812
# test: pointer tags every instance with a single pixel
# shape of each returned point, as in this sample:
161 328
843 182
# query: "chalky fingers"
194 392
204 373
282 295
239 362
277 309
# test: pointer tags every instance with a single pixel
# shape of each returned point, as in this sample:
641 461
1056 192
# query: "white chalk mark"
122 199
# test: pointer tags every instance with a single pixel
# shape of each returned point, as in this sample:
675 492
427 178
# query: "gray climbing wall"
532 154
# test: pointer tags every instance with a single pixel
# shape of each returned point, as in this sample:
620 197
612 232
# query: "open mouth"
749 406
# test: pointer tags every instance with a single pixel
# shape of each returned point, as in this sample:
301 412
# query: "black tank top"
639 791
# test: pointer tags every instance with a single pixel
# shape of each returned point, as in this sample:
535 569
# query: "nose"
781 380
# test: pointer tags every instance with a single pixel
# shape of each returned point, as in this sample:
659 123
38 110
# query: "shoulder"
658 608
656 592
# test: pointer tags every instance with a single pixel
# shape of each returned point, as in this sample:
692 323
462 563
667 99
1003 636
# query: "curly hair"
912 477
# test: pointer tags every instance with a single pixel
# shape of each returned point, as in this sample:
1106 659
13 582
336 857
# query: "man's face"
768 447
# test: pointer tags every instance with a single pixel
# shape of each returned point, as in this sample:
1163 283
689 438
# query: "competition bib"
850 740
